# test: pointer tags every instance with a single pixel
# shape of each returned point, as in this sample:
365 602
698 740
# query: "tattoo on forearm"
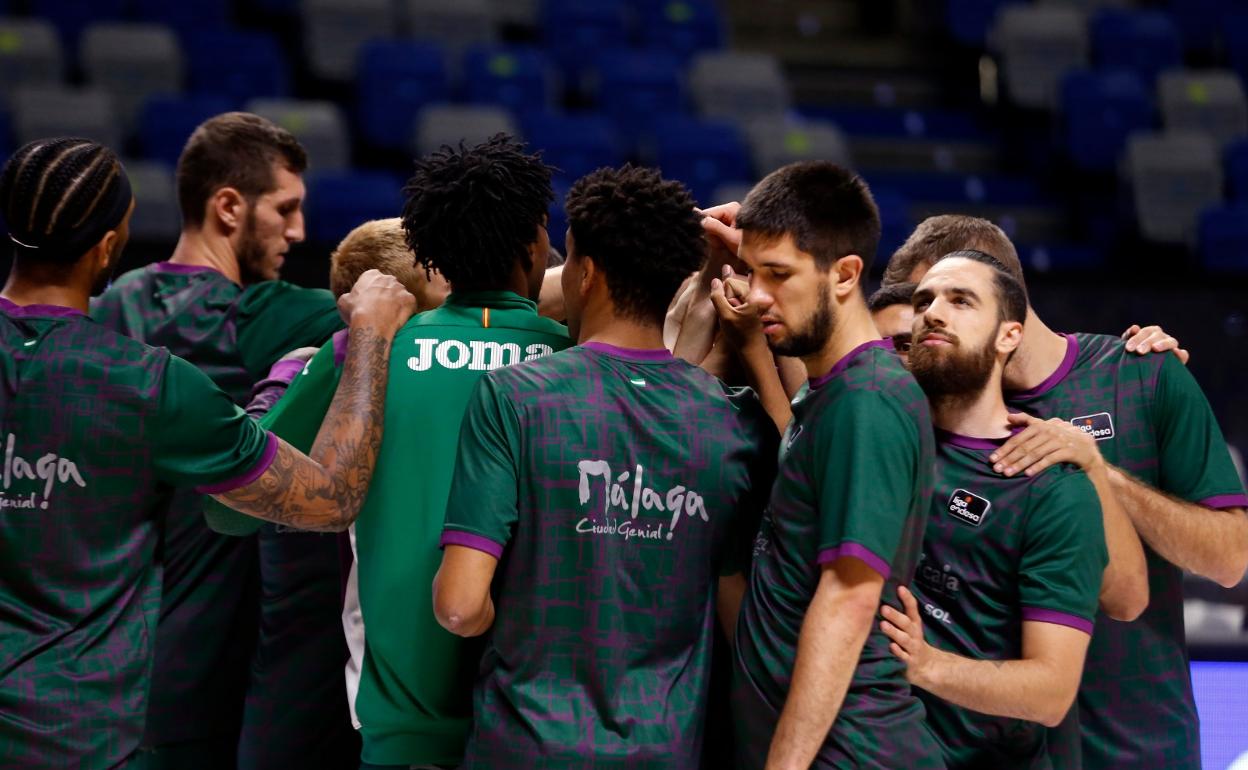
327 491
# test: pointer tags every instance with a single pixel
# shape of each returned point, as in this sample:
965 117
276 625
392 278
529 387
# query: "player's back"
637 474
414 696
95 426
999 551
76 568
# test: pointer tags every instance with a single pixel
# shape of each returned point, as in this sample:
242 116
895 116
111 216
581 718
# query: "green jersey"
998 552
614 486
1151 419
855 479
97 429
414 702
207 630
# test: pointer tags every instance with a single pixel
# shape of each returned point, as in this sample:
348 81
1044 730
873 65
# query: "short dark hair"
939 235
1011 296
60 196
234 149
828 211
887 296
472 212
641 231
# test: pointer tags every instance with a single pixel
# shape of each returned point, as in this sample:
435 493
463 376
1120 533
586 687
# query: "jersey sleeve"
1063 553
762 472
203 439
482 509
275 317
868 461
296 418
1195 462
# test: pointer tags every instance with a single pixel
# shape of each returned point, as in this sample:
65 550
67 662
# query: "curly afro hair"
472 212
641 231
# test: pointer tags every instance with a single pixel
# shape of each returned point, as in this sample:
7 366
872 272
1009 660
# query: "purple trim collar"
1050 382
859 552
173 267
660 355
266 459
1039 615
41 311
848 358
471 540
1220 502
972 442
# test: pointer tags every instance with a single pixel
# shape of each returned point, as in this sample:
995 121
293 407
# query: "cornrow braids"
60 196
472 212
641 231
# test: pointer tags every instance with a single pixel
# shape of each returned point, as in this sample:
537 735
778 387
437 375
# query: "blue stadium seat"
959 188
520 78
254 67
1199 21
1099 110
896 224
903 123
340 201
185 16
704 155
71 17
1059 257
577 30
681 27
396 79
636 87
969 20
1144 42
1237 169
576 144
166 122
1224 238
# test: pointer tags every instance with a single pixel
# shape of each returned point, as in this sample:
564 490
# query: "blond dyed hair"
379 244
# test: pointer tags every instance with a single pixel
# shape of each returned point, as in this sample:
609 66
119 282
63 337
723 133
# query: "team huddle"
690 498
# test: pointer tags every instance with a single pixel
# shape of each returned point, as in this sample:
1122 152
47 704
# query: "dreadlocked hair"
641 231
49 188
472 212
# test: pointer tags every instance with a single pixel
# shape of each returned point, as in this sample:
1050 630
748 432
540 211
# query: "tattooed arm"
324 491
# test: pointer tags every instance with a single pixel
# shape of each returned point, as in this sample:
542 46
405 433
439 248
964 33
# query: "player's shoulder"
878 381
125 364
1100 352
1062 482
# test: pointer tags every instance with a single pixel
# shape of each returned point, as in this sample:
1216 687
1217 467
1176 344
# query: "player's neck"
200 248
978 415
621 332
66 290
853 327
1038 356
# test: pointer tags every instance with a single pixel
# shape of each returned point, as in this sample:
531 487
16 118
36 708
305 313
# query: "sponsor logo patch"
1100 425
969 508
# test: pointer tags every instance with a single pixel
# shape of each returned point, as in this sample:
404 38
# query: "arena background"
1109 139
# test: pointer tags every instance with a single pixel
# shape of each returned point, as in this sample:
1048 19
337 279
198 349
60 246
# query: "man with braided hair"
217 304
97 430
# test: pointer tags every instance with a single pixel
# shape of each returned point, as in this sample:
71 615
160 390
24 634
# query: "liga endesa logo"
968 507
1100 425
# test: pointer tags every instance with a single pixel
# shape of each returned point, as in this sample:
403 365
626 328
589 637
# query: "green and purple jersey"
999 552
97 430
855 479
1151 419
614 486
207 630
